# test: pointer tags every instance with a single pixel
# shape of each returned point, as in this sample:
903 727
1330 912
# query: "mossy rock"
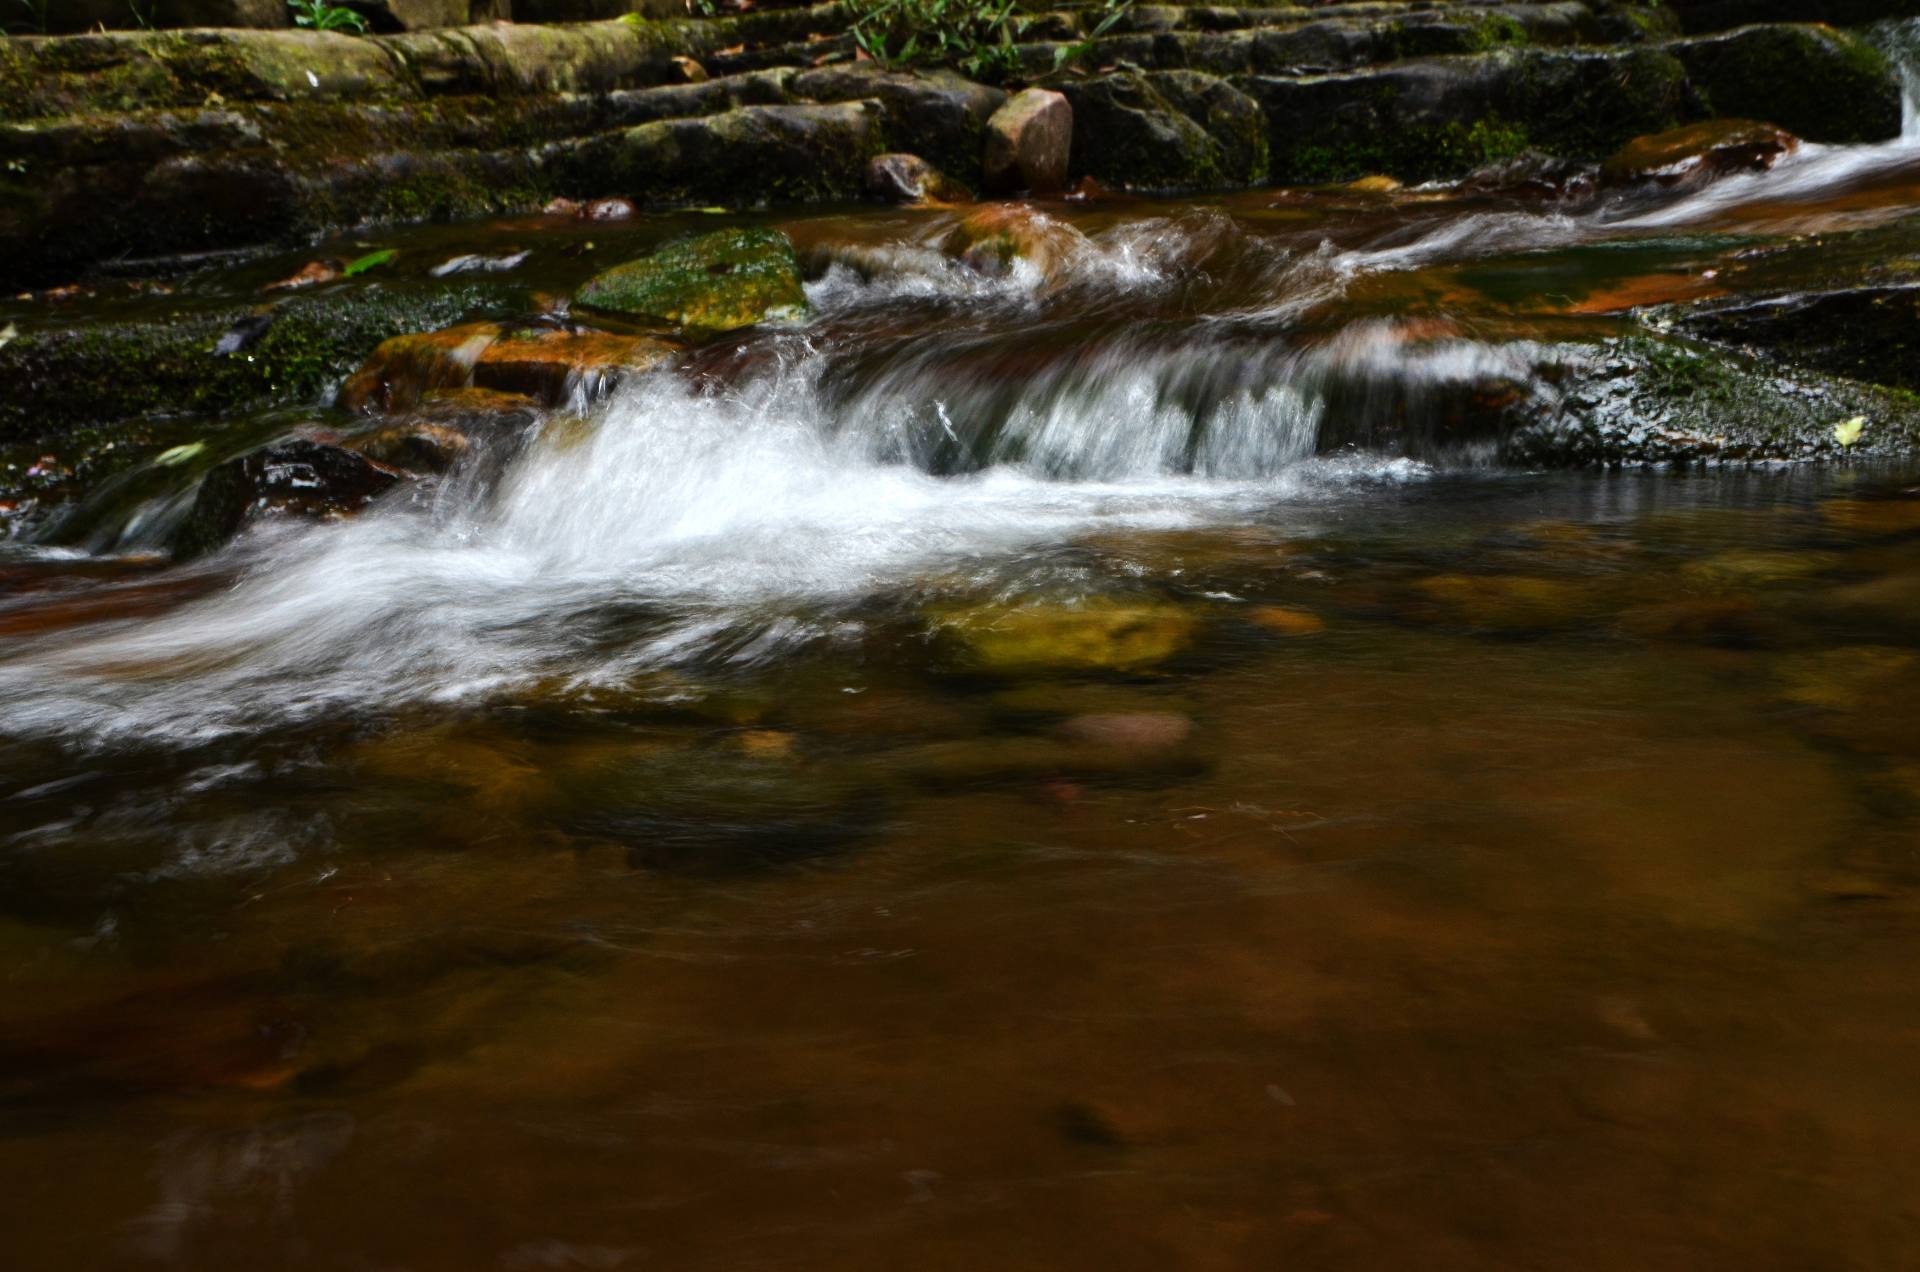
1711 147
73 374
1097 634
1822 84
705 285
1648 400
1128 134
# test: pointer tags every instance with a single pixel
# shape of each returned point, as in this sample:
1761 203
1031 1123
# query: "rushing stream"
1092 767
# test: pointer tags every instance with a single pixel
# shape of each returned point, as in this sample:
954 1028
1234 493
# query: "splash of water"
675 526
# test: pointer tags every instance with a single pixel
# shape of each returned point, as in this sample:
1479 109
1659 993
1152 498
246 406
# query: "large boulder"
1823 84
1028 143
1129 134
1867 333
300 479
784 153
934 113
1445 117
705 285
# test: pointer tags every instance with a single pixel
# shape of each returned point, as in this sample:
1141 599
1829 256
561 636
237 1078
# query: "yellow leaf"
1848 433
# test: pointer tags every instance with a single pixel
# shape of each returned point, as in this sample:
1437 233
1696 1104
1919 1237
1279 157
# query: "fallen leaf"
1848 432
7 334
372 260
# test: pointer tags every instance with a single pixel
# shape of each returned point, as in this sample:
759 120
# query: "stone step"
1322 45
466 123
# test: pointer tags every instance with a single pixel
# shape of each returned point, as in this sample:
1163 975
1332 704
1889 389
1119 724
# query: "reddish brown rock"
1698 152
548 365
995 238
1028 142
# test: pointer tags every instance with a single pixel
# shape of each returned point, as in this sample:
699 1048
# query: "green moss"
89 374
1822 84
1498 30
705 285
1411 153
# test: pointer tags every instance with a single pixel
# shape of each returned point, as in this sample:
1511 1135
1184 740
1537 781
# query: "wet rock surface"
706 285
295 479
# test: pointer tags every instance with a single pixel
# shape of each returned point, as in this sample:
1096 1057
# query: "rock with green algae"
1107 634
1819 83
705 285
68 374
1173 130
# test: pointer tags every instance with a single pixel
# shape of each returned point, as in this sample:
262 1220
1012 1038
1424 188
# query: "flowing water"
1087 768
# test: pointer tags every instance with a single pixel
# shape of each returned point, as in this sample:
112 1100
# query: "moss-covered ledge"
60 377
112 72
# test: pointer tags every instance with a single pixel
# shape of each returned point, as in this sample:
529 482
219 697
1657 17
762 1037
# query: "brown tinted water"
1433 867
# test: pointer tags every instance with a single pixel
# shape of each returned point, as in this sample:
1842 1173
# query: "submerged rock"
1097 634
994 239
1028 143
446 426
706 285
298 478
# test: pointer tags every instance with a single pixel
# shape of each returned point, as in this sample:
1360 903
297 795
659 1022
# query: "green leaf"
372 260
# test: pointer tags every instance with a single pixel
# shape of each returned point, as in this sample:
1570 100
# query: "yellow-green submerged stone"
706 285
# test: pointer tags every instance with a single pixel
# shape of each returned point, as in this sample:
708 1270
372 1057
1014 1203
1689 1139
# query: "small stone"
609 210
903 178
1028 143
